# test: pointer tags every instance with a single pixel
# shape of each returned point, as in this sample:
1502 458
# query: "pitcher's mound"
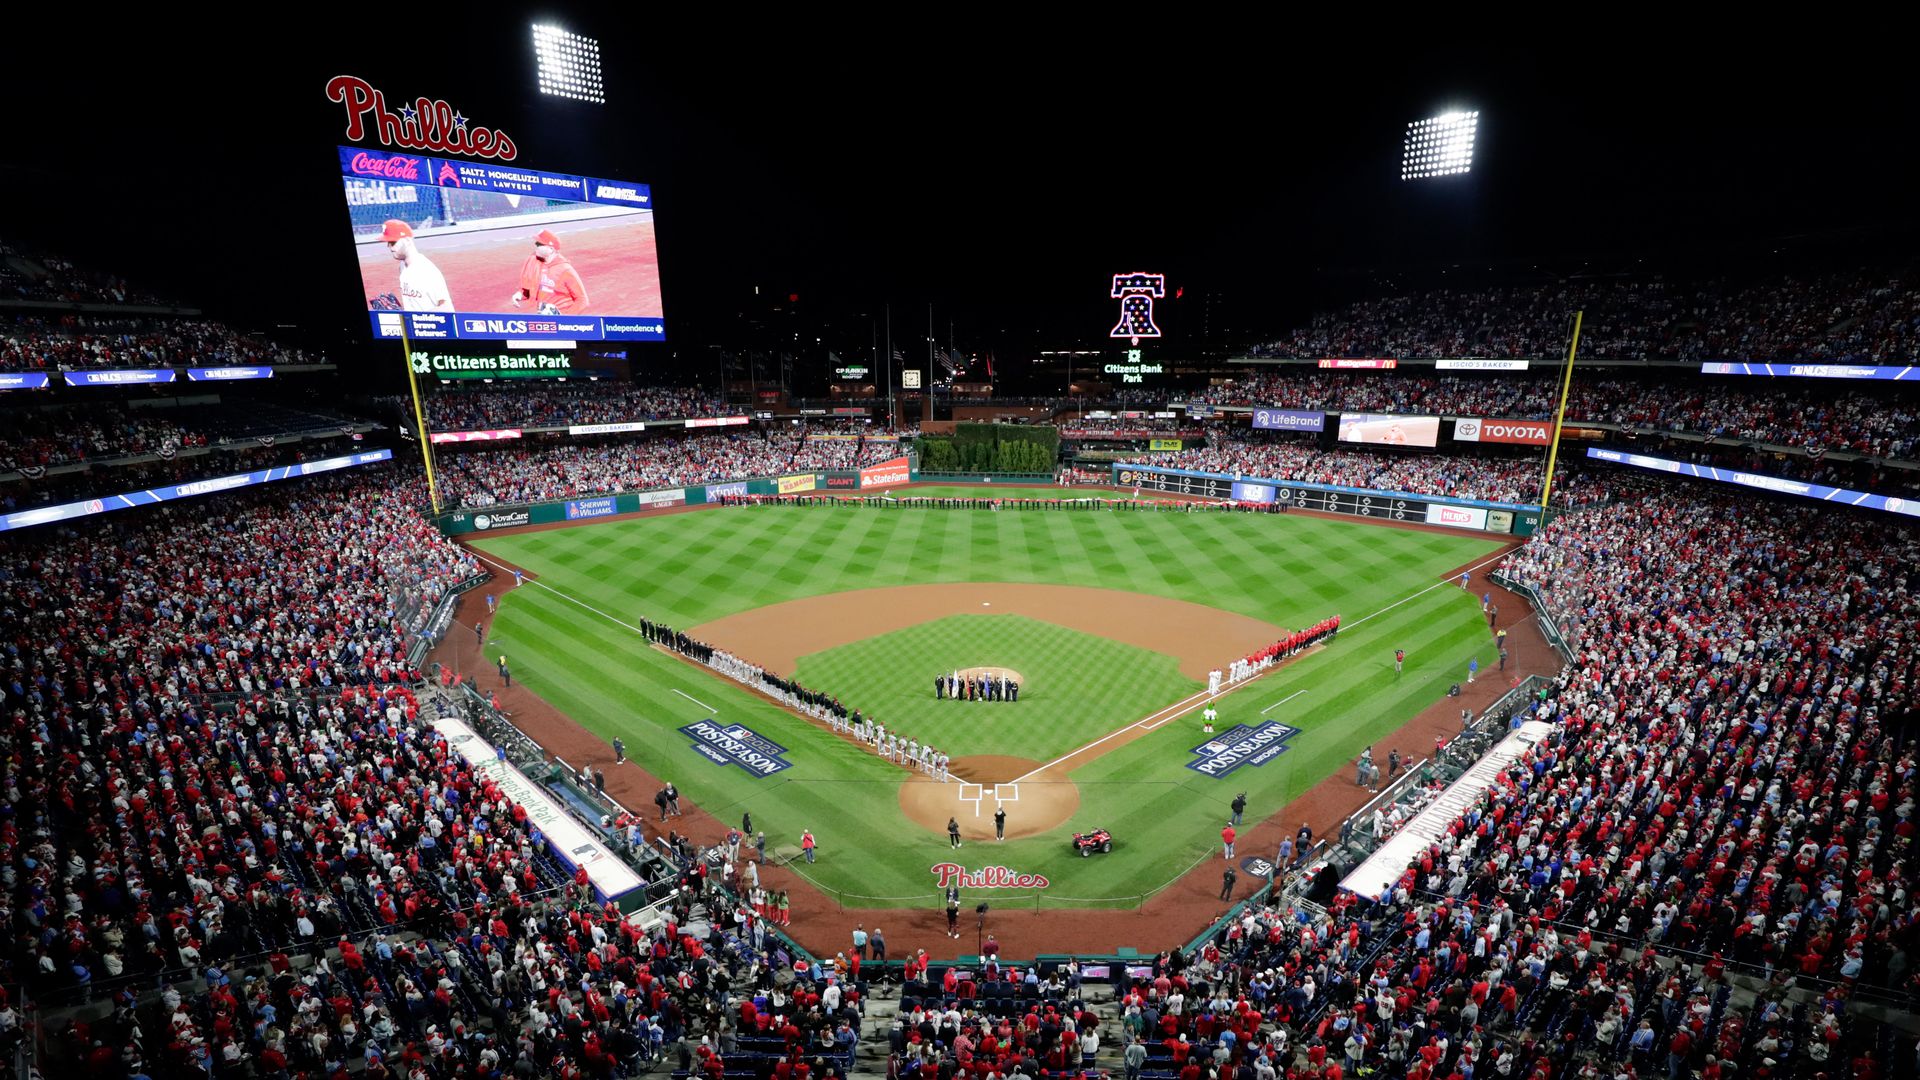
1035 801
995 673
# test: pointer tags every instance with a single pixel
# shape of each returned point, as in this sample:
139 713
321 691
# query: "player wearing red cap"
422 286
548 279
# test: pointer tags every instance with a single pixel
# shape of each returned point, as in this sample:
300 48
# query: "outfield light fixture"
569 65
1442 146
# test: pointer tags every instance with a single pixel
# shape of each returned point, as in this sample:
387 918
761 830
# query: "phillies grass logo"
990 877
426 124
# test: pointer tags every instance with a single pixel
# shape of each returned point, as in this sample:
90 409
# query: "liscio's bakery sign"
989 877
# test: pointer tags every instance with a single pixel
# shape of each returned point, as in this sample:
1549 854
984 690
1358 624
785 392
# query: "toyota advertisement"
1520 432
453 249
1383 430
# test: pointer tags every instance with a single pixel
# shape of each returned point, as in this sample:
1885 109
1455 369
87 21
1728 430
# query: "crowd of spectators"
74 342
1863 316
480 407
1261 456
36 276
1729 782
1879 422
1144 427
42 437
220 778
508 475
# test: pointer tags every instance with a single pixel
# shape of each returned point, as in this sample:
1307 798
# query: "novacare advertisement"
892 471
1457 517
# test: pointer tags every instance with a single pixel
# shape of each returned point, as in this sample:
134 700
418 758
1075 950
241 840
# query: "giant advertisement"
1385 430
1289 420
1892 504
891 471
452 249
1521 432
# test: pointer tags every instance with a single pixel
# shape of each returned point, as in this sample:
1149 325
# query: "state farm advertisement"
1457 517
1520 432
892 471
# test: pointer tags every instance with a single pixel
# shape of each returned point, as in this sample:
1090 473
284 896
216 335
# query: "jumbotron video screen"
452 249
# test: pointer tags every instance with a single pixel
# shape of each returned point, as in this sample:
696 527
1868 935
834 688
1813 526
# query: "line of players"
898 748
958 687
1272 654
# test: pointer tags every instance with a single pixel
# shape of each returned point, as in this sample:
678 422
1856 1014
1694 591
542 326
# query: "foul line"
698 702
1186 705
1428 589
1281 702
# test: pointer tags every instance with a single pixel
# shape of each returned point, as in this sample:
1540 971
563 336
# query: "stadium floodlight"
569 64
1442 146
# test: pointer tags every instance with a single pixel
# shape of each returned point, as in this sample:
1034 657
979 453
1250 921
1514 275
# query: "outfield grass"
1075 686
686 569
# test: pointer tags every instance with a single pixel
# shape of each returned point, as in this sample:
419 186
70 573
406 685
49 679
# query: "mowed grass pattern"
688 568
1076 686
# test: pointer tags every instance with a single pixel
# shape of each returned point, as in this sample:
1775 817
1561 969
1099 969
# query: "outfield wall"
487 518
1471 515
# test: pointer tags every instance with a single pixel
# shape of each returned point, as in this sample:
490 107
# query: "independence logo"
1241 745
736 744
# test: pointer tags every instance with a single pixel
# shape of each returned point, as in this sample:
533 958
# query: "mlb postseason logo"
736 744
1241 745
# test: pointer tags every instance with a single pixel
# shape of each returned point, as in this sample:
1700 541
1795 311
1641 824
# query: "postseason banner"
86 508
1889 503
1817 371
1241 745
446 250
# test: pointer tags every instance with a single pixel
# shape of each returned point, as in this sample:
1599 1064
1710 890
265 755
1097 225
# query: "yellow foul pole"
1560 416
419 417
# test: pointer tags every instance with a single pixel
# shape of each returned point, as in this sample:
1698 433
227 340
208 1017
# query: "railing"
440 620
1548 626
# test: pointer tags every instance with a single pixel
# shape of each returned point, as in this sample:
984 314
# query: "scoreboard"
1382 506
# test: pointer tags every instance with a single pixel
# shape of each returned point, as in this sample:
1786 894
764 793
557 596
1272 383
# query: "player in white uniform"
422 286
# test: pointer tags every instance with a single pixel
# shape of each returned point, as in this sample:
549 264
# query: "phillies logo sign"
991 877
425 124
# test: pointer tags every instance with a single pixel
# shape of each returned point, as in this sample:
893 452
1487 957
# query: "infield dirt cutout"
1198 637
981 784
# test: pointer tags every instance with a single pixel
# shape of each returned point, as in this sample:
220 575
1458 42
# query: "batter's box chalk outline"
979 793
1006 793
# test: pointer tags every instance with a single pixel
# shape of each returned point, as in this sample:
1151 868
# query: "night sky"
1002 178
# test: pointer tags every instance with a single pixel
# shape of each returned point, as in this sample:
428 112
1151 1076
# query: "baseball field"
1109 620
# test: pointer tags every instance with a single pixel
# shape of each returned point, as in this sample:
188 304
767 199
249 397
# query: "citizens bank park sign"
422 124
